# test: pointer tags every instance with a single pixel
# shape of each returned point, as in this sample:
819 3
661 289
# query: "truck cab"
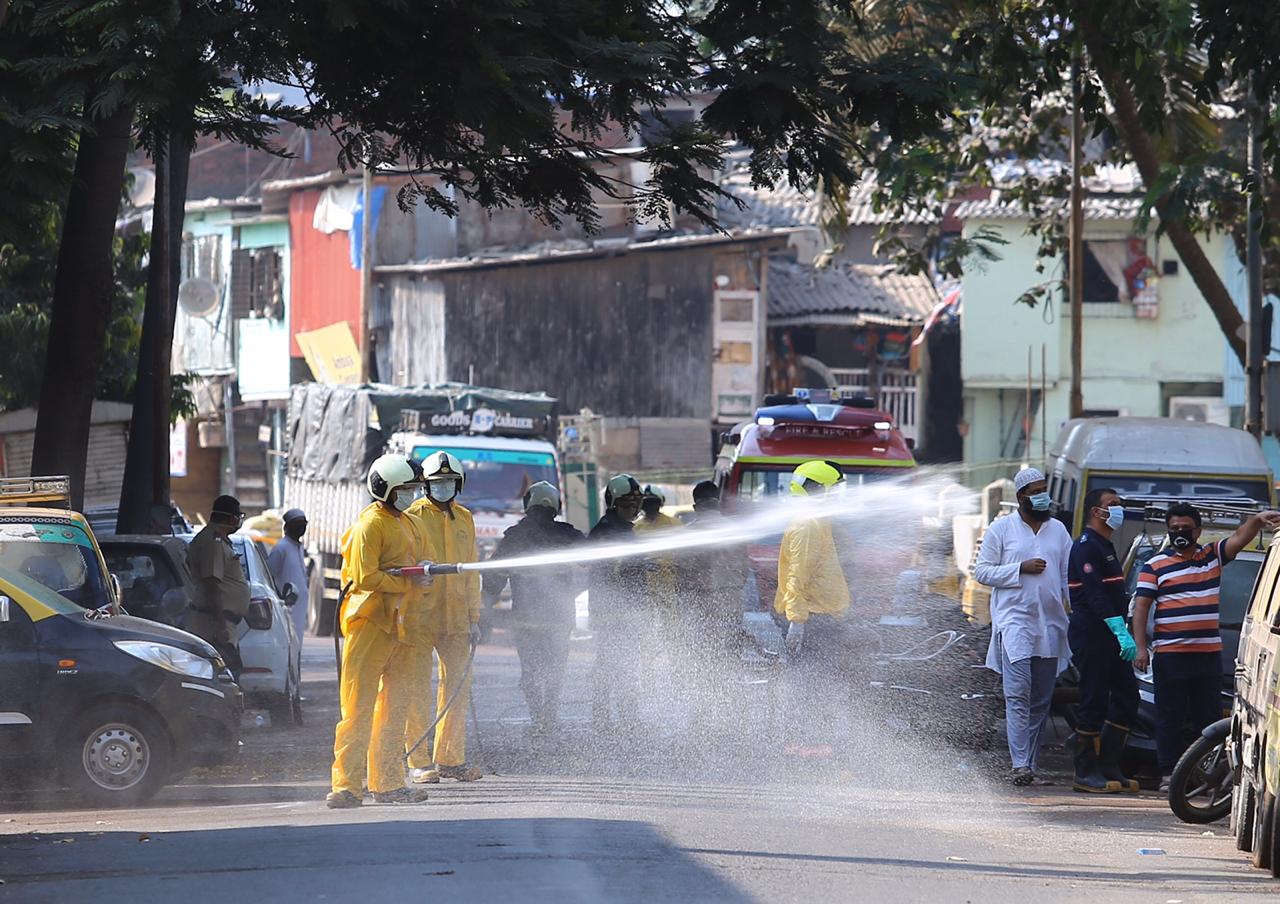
499 469
758 456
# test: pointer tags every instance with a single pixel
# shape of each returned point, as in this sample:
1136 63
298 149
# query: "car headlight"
166 657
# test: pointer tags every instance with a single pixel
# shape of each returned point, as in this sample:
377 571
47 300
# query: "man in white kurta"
1023 559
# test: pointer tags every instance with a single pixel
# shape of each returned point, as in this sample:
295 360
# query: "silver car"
270 647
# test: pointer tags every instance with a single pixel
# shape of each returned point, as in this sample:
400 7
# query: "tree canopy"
1165 88
513 103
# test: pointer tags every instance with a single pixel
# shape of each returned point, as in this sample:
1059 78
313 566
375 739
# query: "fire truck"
757 457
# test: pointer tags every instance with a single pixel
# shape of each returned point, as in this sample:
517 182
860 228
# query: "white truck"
503 439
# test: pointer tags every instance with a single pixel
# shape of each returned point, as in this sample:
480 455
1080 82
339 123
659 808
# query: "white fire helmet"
387 474
444 476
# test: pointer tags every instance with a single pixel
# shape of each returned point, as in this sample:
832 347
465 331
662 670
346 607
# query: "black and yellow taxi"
109 705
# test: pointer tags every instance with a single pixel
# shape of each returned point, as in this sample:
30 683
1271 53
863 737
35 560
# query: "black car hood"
127 627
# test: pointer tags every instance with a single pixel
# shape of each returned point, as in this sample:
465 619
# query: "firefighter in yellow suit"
813 599
381 613
810 580
453 627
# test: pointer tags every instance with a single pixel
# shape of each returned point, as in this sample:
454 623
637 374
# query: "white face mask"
442 490
402 499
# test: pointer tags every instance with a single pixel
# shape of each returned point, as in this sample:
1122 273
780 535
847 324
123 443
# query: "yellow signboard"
331 354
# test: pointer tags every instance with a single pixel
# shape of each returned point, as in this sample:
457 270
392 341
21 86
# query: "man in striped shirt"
1186 651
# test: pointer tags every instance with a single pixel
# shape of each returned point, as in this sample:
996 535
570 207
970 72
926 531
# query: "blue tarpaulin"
379 194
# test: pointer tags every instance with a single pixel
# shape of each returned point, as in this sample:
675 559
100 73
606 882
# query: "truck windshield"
497 478
1187 486
761 483
60 556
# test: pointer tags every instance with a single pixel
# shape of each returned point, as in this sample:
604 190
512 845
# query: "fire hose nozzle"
431 568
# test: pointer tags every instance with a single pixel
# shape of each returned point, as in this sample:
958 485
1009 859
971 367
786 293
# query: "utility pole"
366 275
1075 243
1257 345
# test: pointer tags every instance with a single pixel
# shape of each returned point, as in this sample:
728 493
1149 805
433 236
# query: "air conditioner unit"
1204 409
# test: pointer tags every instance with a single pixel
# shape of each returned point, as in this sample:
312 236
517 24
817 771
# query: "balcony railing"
896 393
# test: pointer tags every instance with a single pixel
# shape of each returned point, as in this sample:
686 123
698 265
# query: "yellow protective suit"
810 579
379 616
455 608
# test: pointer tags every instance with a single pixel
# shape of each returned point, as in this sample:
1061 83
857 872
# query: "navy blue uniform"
1108 686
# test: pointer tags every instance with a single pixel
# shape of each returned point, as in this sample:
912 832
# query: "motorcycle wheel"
1201 785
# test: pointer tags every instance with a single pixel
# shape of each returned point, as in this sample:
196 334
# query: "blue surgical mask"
1040 501
1115 516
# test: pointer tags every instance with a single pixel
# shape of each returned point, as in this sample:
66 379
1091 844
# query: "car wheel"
283 708
295 704
1263 822
1275 840
318 625
115 756
1242 806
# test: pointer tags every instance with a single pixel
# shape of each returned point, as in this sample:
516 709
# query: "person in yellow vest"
381 613
812 591
453 628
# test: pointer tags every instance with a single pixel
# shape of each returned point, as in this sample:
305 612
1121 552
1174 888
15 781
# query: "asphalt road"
880 818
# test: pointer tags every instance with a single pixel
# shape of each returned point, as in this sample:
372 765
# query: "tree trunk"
1129 124
145 497
81 309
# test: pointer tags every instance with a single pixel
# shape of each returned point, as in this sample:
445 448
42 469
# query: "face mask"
1182 537
1040 502
1115 516
442 490
1028 508
403 499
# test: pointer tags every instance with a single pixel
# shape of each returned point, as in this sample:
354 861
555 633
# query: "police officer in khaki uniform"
222 593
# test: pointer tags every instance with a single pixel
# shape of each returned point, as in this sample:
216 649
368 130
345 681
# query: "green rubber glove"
1128 649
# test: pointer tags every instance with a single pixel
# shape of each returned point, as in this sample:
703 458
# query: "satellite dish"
198 296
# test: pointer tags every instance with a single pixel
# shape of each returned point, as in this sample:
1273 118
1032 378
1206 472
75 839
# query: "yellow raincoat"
452 534
810 579
380 614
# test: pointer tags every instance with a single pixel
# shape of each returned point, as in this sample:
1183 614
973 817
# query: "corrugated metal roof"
1113 192
796 290
1095 208
550 252
786 205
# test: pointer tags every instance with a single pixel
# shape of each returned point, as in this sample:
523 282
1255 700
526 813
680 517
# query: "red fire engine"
758 456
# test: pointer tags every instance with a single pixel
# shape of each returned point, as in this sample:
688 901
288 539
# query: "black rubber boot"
1110 750
1089 777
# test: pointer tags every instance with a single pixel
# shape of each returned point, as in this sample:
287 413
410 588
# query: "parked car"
270 646
1254 739
111 705
171 520
41 538
152 572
